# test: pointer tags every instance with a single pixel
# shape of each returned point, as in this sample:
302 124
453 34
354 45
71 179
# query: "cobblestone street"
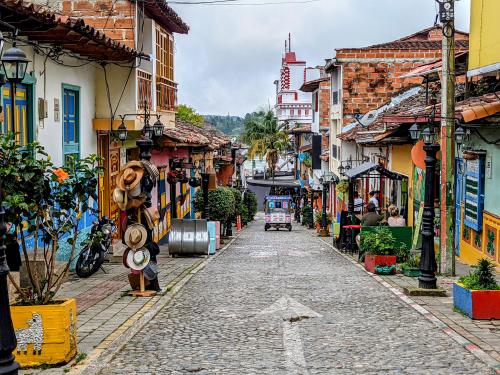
284 303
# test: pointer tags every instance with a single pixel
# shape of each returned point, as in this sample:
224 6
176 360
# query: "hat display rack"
133 196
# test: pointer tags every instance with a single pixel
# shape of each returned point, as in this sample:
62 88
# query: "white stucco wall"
50 78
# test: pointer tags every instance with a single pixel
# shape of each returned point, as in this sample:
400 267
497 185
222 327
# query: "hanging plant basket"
343 187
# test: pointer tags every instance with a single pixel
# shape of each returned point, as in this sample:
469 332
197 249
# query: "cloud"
232 55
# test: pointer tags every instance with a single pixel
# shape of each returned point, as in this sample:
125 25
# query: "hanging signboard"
474 193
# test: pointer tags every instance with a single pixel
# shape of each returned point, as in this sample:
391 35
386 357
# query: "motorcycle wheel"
87 267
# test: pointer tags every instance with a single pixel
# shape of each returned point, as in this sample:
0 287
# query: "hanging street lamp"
15 64
158 127
414 132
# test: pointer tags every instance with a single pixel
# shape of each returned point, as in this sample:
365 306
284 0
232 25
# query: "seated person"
371 218
395 219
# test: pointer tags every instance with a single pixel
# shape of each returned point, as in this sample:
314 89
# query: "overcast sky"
232 54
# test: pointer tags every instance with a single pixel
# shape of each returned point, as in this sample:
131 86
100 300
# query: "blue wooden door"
71 124
21 126
459 198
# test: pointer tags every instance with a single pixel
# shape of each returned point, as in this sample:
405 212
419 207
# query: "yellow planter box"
46 334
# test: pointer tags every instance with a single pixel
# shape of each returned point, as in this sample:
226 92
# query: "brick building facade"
370 75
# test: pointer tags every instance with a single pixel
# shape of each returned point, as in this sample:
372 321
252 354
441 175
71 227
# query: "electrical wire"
235 3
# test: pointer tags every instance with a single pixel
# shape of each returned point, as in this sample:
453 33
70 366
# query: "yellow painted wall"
401 163
484 45
485 244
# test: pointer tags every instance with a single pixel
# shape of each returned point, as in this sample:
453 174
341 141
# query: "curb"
103 353
446 329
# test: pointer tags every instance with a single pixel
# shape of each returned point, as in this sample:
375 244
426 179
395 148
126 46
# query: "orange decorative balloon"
418 155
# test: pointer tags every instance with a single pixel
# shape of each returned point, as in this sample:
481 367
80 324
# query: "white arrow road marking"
292 312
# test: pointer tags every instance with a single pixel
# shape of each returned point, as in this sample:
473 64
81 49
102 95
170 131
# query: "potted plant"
378 247
477 295
411 267
318 216
46 206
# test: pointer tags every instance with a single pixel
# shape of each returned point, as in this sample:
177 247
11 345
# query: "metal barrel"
188 237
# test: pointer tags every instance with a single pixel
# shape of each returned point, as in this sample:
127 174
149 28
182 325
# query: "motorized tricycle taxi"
278 210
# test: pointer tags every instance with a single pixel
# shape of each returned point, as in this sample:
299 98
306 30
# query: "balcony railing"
145 88
166 94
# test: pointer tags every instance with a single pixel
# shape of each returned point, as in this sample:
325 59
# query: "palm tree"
265 138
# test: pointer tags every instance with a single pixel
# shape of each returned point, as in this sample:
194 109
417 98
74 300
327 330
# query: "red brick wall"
368 85
115 18
324 106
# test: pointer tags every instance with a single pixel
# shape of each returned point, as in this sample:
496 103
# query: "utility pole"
447 17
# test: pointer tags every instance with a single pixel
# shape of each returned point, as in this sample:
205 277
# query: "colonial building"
292 105
56 103
365 79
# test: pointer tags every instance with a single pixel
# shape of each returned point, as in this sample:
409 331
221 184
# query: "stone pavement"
105 311
485 334
284 303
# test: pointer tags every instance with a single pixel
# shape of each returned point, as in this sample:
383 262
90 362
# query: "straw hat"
131 176
152 216
120 198
139 259
125 203
135 236
152 171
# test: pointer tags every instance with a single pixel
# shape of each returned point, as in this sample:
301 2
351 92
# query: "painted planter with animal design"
46 334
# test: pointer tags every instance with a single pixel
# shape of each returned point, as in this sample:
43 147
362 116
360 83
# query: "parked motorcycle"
96 248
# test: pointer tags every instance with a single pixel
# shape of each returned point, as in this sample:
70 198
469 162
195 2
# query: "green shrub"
221 203
378 242
307 213
238 202
245 218
250 200
483 277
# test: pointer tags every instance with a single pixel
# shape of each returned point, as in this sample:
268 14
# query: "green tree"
188 114
265 137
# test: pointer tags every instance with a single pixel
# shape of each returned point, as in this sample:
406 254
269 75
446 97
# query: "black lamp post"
324 229
8 340
428 267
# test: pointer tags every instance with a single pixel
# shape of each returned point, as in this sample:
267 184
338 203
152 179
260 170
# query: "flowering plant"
44 204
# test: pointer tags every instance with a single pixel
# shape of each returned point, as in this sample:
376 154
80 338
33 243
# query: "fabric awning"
365 168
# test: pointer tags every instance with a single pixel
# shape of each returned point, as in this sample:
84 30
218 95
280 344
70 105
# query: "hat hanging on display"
120 198
134 203
152 216
124 257
138 260
152 171
135 236
131 176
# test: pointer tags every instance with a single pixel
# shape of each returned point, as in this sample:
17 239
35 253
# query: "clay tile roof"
39 25
184 132
306 128
313 85
160 11
428 38
470 109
